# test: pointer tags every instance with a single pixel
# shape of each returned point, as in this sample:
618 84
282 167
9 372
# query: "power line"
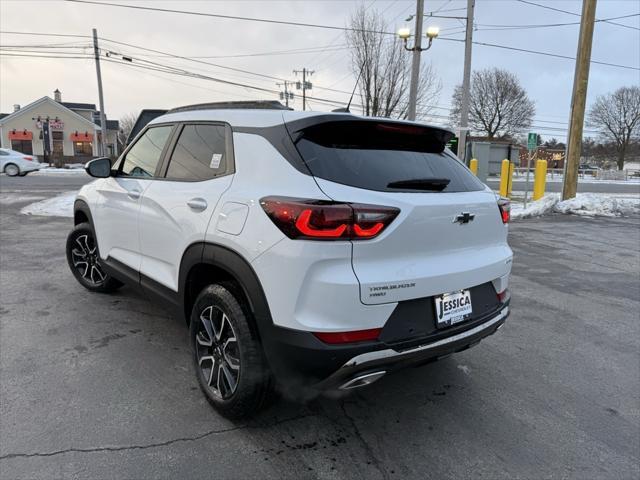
45 34
182 57
229 17
548 54
506 47
180 72
41 56
527 2
543 25
263 54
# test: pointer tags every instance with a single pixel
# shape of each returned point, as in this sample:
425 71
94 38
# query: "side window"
143 158
200 153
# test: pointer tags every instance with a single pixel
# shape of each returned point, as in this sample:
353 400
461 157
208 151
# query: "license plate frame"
453 308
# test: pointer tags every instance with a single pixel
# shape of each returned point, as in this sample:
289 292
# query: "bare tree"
386 69
127 121
617 116
498 105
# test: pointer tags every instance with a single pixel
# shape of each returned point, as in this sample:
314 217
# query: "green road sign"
453 144
532 141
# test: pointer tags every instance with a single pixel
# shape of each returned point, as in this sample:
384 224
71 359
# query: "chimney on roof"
57 95
16 107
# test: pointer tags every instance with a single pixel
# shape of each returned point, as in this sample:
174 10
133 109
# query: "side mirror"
99 167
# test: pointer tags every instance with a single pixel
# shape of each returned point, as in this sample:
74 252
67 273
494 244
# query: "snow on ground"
10 198
75 169
589 204
60 206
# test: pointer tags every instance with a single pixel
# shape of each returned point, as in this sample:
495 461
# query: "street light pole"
466 83
415 62
404 34
103 118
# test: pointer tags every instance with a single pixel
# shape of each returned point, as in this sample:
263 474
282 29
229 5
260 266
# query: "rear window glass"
372 155
200 153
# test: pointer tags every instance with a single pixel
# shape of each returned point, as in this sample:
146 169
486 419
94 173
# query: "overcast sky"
547 80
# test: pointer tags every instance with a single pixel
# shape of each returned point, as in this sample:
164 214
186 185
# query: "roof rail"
237 105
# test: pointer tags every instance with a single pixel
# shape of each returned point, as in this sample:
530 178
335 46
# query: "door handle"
197 204
134 194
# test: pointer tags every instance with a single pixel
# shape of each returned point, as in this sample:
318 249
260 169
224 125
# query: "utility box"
490 156
481 151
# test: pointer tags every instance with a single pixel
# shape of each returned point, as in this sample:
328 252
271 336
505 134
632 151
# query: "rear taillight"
27 158
335 338
324 220
504 296
504 204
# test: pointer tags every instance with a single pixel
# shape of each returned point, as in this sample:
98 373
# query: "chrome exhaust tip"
362 380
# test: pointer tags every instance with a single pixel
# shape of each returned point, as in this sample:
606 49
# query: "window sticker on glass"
216 158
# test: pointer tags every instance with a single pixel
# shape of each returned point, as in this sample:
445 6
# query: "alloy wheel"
11 170
217 352
86 260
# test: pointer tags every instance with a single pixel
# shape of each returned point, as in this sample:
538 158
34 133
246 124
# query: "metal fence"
621 175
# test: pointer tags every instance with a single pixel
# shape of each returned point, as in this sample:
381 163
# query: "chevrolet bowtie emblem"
464 217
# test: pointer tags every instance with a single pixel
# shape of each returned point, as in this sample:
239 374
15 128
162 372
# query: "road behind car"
96 386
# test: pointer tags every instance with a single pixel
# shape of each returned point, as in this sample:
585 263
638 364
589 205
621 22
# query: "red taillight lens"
504 204
504 296
324 220
334 338
28 158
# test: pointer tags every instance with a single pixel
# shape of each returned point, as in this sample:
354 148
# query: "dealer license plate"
452 308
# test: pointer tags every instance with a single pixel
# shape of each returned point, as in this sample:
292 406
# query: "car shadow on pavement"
379 427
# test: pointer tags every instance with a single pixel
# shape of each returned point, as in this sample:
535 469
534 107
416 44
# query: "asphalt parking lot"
100 386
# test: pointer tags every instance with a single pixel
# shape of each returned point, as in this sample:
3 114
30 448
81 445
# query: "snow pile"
60 171
590 204
60 206
535 209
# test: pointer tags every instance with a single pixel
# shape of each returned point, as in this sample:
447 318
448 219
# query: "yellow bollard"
540 179
512 167
504 177
473 166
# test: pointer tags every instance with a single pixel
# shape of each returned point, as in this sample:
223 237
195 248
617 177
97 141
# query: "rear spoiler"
343 130
143 119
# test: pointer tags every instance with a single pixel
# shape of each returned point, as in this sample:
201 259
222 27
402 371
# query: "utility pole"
287 95
466 83
305 85
578 100
415 62
103 118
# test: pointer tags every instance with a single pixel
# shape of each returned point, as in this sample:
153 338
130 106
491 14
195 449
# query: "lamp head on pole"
404 33
432 32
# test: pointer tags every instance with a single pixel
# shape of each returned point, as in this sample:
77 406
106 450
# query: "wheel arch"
205 263
82 213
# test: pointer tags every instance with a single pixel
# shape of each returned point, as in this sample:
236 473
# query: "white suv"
317 250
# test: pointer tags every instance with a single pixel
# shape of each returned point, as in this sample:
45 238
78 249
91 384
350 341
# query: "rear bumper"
367 367
300 359
30 167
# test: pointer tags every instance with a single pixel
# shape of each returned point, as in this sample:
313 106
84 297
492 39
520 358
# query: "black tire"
229 317
84 261
11 169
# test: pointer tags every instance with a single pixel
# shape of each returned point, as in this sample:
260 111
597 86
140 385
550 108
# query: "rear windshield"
372 155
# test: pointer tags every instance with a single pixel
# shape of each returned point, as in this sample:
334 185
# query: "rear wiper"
432 184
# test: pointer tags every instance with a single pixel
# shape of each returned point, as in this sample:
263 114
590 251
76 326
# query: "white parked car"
322 250
15 163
